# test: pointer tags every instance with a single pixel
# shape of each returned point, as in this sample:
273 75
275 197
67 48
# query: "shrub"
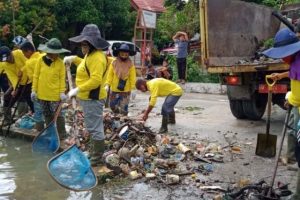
195 73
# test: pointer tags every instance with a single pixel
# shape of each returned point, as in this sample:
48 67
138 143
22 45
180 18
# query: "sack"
26 122
121 84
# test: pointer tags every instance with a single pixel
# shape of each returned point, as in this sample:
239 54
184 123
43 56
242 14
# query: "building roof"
150 5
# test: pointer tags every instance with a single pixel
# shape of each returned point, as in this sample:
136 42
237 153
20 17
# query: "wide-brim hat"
124 47
286 43
53 46
91 33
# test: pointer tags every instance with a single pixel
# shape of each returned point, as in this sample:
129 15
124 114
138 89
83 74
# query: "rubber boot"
7 116
164 125
291 145
97 150
172 119
22 109
61 128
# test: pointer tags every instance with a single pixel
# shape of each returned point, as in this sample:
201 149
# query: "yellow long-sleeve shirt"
160 87
30 64
12 69
113 79
95 62
49 81
294 97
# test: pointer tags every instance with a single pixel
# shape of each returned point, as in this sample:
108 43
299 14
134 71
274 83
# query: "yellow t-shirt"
95 62
160 87
12 69
30 64
294 97
113 79
49 81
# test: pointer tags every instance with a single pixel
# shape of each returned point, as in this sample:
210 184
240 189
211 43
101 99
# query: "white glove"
73 92
287 95
33 96
63 97
133 94
106 88
69 59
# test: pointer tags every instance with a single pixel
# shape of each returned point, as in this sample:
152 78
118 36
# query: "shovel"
266 143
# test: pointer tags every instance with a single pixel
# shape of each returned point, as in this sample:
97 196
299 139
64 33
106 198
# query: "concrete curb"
206 88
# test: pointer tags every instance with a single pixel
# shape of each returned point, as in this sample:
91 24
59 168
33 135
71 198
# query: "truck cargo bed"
233 30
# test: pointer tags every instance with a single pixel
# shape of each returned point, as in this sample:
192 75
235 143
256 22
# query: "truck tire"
255 108
236 107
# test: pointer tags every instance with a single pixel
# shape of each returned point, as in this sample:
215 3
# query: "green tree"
25 15
173 20
119 19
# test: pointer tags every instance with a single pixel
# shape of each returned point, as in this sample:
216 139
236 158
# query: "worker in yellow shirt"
13 61
90 78
160 87
32 55
121 79
49 82
4 85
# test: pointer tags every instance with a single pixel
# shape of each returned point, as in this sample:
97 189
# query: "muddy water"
23 175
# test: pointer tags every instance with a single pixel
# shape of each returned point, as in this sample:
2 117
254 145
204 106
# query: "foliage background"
66 18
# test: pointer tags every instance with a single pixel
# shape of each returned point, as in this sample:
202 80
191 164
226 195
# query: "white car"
136 58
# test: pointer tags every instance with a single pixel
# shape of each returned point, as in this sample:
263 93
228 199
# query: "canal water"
24 176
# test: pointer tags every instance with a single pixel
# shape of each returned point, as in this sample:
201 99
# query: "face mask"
123 59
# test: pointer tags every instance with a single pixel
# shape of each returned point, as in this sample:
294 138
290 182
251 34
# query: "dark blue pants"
169 104
181 66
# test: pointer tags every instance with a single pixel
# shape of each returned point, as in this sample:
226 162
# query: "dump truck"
231 33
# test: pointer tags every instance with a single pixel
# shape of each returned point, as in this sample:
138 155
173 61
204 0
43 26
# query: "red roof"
150 5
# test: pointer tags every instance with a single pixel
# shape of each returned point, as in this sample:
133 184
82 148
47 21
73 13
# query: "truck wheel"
236 107
255 108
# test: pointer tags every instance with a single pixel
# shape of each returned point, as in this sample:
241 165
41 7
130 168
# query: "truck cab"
232 34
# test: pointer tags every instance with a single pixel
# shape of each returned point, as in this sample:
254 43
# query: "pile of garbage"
134 150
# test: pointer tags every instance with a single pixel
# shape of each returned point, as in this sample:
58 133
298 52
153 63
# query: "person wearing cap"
287 47
49 82
181 39
90 78
121 79
32 55
13 61
160 87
